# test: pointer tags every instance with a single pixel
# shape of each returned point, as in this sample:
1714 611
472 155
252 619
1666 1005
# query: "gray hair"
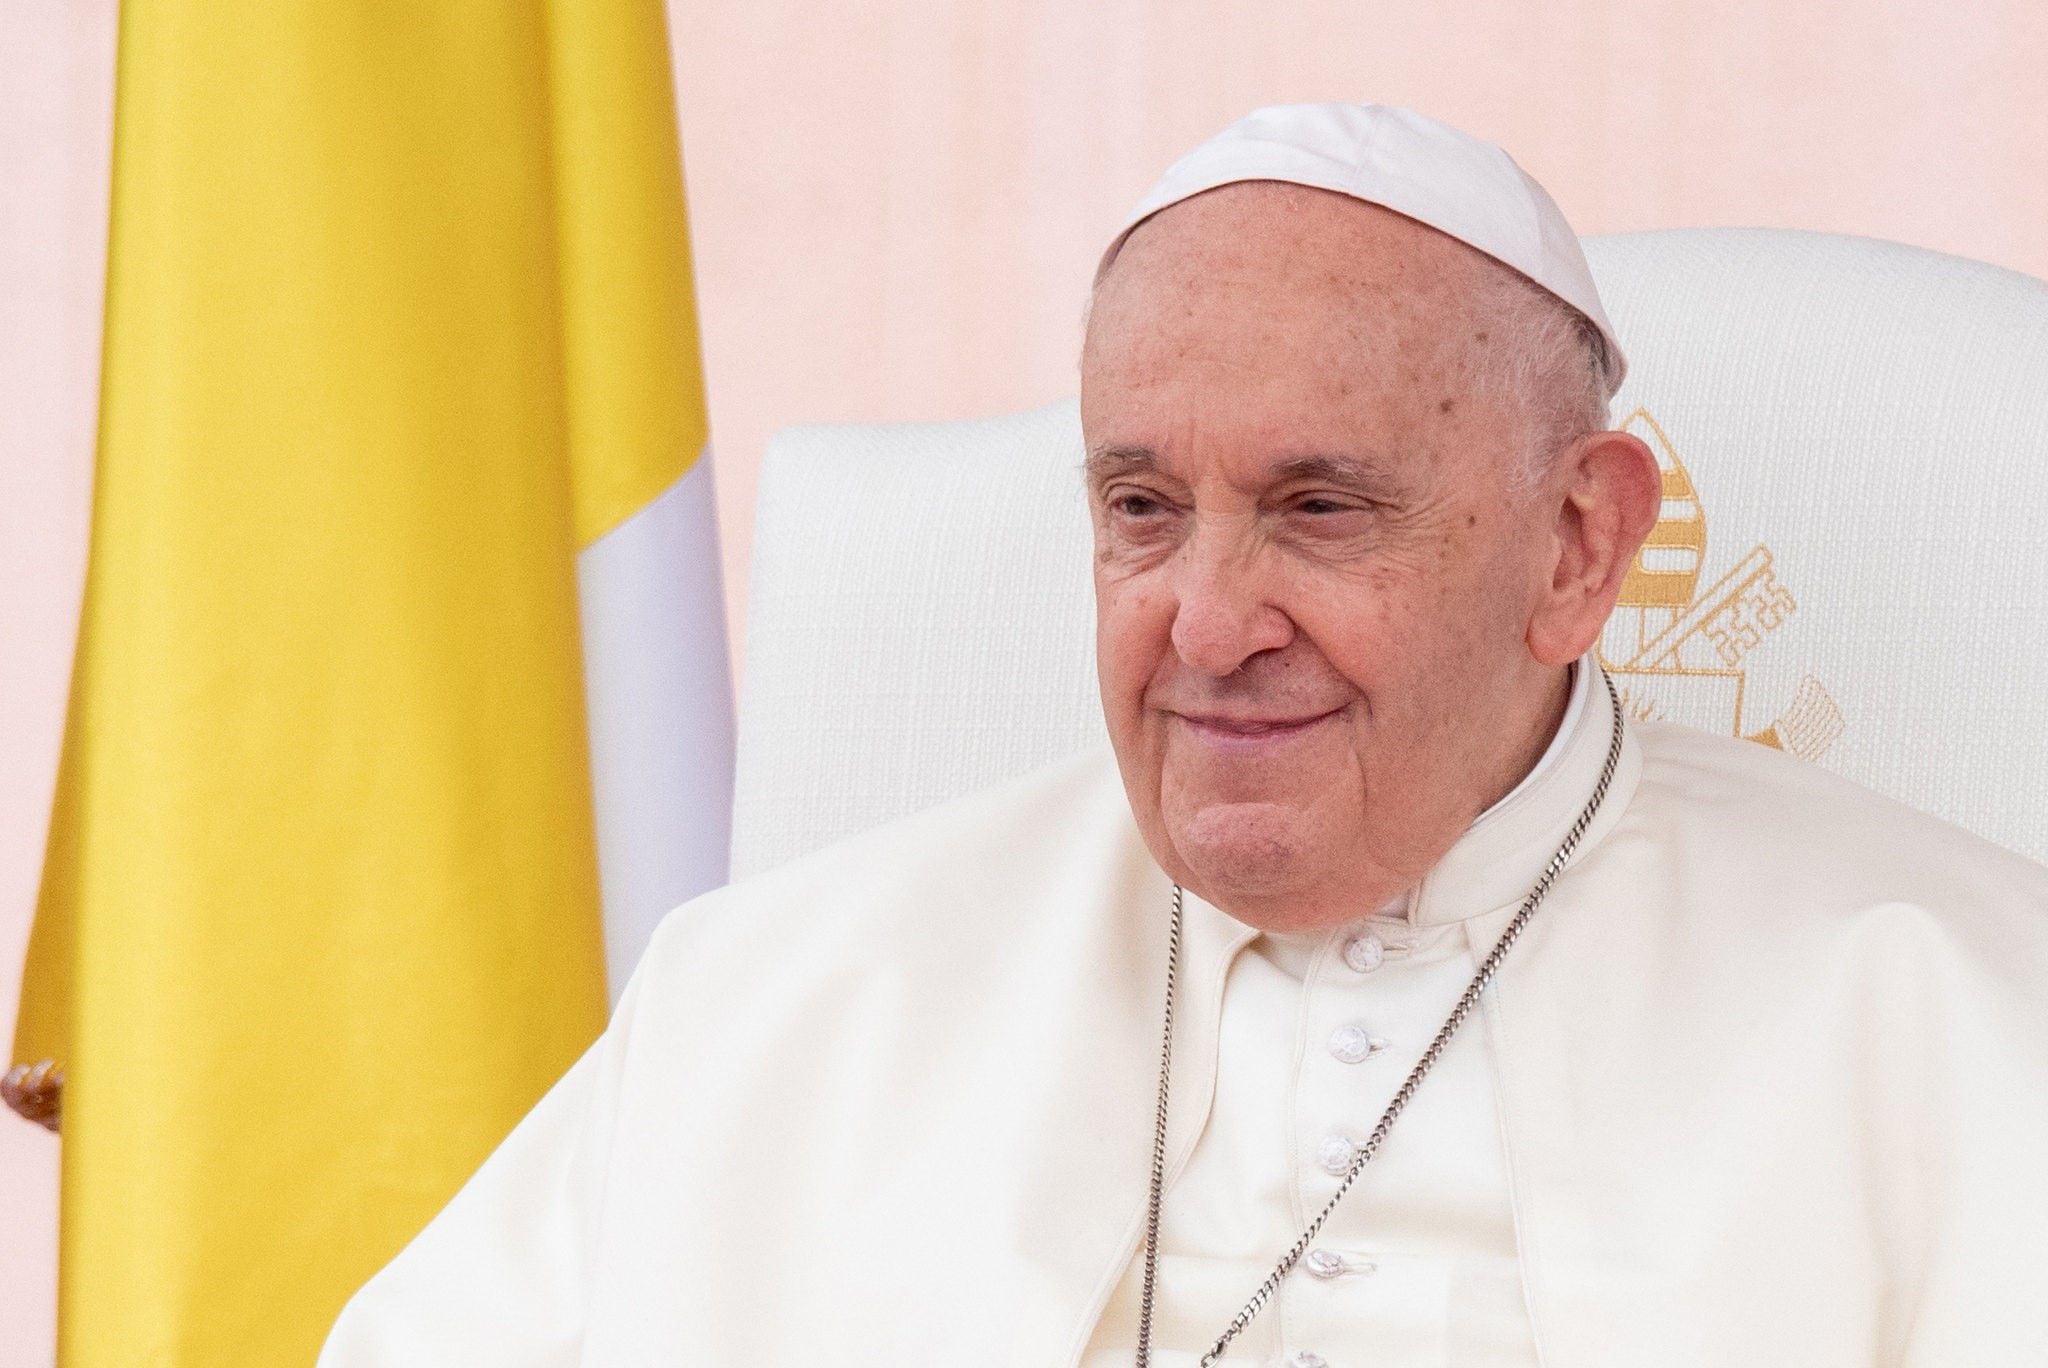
1547 357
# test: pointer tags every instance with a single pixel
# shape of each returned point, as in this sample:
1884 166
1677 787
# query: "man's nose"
1223 614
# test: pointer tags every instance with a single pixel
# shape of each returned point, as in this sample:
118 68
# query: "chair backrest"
1852 562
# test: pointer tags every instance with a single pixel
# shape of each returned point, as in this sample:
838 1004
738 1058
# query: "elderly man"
1390 997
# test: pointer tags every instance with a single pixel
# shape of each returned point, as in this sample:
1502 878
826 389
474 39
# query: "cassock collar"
1498 859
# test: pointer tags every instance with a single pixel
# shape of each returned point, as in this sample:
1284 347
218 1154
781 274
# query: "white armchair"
1852 564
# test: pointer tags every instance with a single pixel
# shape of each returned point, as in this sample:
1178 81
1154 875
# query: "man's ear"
1610 495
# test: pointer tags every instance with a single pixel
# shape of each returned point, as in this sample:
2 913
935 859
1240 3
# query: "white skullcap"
1412 165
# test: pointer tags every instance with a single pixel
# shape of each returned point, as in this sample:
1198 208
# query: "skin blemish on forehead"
1445 406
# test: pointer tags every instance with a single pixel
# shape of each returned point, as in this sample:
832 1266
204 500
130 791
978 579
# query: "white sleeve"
1977 1137
502 1275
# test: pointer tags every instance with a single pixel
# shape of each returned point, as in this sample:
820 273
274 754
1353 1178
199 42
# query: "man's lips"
1250 731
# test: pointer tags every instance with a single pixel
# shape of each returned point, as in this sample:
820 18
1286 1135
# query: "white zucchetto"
1415 166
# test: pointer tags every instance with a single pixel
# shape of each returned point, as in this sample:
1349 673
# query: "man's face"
1313 582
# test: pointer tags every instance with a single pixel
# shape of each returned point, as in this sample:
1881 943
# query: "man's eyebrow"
1349 472
1353 472
1105 462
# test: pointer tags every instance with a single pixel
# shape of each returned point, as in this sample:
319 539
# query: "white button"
1335 1154
1304 1358
1365 953
1323 1263
1351 1043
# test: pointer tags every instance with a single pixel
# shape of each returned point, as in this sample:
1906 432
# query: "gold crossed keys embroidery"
1677 652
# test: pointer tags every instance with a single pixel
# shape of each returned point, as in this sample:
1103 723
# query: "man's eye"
1134 505
1322 506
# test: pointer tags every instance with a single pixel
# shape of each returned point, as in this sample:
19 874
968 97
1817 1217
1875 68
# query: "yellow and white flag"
401 669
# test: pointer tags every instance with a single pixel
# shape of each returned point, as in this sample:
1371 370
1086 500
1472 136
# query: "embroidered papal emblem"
1676 651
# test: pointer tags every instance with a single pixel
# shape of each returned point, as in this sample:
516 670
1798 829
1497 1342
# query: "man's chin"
1270 866
1246 850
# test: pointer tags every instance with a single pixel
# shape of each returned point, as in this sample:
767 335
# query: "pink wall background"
56 87
896 208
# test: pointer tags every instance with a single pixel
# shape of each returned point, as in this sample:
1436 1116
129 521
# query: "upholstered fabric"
1853 564
919 623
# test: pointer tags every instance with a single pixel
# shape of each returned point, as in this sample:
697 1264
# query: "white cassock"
1765 1082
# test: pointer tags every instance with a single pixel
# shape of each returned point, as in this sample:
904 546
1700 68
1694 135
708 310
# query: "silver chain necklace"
1466 1002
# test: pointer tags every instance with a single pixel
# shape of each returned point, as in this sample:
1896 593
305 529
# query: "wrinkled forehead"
1275 213
1268 248
1283 282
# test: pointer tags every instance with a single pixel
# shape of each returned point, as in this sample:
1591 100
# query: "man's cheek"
1130 638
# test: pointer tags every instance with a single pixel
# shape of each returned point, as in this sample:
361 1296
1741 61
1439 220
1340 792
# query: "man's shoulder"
975 836
1744 882
1791 817
974 858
